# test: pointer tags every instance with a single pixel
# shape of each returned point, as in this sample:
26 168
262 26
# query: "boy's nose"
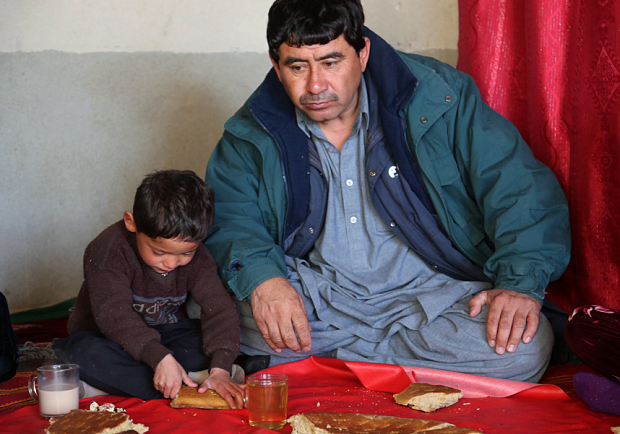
171 263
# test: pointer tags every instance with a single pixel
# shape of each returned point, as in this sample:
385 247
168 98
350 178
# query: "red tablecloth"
320 384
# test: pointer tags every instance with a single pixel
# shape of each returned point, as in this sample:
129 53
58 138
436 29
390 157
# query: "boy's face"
161 254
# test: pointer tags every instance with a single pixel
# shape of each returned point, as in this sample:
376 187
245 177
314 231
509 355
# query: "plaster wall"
96 94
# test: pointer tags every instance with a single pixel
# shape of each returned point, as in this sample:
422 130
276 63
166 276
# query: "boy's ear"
130 224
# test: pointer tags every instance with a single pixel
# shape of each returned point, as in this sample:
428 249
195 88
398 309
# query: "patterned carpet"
562 376
14 393
34 339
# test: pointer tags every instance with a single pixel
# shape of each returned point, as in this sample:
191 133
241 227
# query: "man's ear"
276 67
365 54
130 223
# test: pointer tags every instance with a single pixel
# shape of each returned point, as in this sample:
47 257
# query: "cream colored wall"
95 94
192 26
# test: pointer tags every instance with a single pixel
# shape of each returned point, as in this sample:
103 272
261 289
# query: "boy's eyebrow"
333 55
160 250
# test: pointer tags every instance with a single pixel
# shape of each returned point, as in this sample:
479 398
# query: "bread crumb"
318 404
466 403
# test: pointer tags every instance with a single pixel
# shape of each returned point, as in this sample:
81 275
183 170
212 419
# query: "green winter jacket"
500 207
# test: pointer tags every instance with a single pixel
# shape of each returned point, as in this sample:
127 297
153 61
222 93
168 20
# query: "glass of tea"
267 396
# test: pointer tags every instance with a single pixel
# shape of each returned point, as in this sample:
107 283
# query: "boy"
129 331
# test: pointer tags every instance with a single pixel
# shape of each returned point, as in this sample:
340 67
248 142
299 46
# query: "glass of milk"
56 388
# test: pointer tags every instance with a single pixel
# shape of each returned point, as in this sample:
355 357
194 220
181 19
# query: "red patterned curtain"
553 68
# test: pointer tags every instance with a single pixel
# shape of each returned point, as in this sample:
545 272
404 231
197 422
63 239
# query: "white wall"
198 26
96 94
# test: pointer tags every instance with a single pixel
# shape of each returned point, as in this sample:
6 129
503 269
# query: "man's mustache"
309 98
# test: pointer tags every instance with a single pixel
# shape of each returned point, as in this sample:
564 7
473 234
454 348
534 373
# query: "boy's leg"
106 366
185 340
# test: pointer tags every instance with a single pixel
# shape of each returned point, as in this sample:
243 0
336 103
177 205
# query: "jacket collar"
273 109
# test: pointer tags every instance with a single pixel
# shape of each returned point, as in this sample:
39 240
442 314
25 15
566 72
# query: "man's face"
323 80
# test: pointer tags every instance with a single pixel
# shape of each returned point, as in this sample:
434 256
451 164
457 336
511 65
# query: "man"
371 207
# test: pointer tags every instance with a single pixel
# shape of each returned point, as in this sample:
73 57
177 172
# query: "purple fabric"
600 393
593 333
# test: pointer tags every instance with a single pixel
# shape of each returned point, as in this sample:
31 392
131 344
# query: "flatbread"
94 422
357 423
428 397
189 397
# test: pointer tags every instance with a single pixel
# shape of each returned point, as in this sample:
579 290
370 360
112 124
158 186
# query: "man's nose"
316 81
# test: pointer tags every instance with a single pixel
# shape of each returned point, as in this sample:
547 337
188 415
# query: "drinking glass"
56 388
267 396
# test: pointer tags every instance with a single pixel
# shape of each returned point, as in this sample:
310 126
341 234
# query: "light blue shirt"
356 249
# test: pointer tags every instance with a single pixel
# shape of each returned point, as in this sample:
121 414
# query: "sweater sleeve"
110 295
218 315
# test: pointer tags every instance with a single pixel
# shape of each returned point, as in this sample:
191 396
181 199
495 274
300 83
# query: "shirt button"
349 182
448 98
353 219
393 224
424 119
311 230
372 173
435 267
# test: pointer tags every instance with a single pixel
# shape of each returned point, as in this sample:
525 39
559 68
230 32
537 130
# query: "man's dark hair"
174 204
310 22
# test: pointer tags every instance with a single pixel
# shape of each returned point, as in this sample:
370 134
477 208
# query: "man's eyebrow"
333 55
290 60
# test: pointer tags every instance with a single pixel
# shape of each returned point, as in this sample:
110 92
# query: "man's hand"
279 311
220 381
170 376
510 312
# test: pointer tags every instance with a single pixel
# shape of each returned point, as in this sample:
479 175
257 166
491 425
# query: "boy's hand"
220 381
170 376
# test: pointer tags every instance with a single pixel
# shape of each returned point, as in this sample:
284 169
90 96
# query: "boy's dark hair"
310 22
174 204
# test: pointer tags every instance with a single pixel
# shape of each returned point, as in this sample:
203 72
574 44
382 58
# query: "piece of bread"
454 430
615 429
188 397
94 422
428 397
356 423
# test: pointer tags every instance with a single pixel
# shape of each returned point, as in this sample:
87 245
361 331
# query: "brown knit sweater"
122 297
